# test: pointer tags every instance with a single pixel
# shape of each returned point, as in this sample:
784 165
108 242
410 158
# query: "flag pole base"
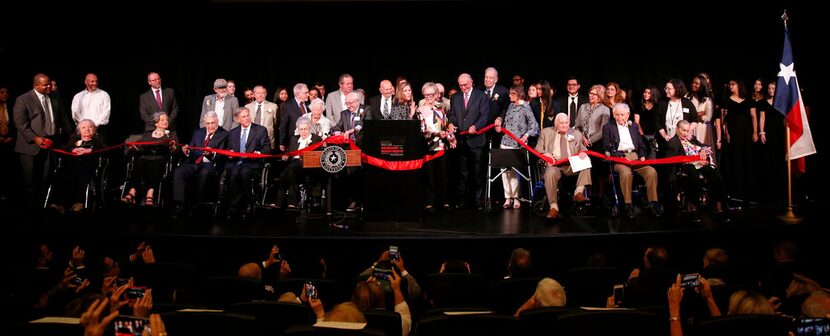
789 217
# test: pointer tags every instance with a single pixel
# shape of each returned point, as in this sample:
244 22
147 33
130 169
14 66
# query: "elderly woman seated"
151 159
79 170
290 177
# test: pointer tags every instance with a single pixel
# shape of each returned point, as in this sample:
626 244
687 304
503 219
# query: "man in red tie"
157 99
200 162
470 111
292 110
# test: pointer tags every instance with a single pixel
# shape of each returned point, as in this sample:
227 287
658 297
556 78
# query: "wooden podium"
311 159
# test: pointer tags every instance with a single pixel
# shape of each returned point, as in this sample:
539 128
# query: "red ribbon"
107 149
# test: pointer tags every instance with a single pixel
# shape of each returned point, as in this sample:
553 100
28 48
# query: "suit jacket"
293 145
377 110
477 113
536 107
363 112
611 139
231 105
498 106
689 112
30 121
288 121
333 106
218 141
147 106
565 102
257 142
269 119
548 136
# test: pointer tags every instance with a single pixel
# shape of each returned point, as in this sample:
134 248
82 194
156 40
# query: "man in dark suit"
382 105
350 126
245 138
41 122
470 111
682 144
292 110
203 164
570 104
497 94
157 100
622 139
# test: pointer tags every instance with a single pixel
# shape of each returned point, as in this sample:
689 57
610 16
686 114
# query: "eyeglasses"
429 94
592 94
573 84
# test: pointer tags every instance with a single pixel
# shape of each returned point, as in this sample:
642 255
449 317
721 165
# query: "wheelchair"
615 203
540 203
160 196
505 160
94 189
260 183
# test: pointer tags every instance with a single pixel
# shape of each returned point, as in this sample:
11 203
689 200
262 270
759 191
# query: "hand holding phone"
393 253
310 290
619 294
690 280
135 292
812 327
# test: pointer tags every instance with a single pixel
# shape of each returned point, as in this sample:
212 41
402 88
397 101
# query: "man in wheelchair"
557 143
689 174
202 164
245 138
622 139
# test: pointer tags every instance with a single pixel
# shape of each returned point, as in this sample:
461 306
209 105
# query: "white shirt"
303 144
626 143
92 105
220 109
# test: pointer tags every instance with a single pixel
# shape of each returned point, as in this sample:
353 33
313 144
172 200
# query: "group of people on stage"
685 123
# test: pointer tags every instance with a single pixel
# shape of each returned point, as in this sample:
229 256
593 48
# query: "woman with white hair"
320 125
79 170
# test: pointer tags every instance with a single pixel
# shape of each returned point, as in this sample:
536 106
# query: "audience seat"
610 322
510 294
274 318
476 324
222 324
772 325
591 286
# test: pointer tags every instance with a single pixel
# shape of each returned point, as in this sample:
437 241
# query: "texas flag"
788 101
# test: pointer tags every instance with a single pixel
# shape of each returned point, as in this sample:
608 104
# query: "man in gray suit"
336 101
222 103
41 122
264 112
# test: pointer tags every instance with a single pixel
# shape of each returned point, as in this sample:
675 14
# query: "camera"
135 292
78 280
690 280
393 252
310 290
619 294
130 326
812 327
120 282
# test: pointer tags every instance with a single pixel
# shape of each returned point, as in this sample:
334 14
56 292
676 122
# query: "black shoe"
656 210
630 213
179 213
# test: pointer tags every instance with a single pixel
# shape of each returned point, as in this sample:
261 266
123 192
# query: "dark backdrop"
282 43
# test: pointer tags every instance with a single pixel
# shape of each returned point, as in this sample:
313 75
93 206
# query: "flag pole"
789 216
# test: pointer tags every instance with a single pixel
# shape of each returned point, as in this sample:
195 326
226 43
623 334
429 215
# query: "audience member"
549 293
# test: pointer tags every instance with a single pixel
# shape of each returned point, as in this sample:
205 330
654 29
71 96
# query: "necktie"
243 141
302 107
466 99
572 106
207 141
49 127
386 108
488 94
563 146
4 121
158 100
258 117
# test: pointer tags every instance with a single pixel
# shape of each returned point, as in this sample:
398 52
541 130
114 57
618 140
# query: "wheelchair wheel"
581 209
541 206
615 211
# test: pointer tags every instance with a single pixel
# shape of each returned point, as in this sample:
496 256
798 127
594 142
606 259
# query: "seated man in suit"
622 139
203 164
682 144
560 142
245 138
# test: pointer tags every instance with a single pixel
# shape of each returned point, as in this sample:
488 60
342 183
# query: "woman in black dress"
152 160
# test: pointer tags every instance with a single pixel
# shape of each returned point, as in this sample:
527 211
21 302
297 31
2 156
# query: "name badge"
356 118
685 110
